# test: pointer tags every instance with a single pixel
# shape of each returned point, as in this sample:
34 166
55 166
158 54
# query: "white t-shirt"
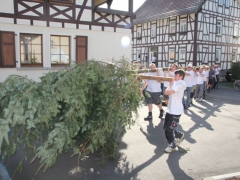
189 79
217 70
175 105
195 79
154 59
206 74
200 78
171 74
154 85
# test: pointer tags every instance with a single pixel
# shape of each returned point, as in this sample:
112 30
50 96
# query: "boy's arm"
169 90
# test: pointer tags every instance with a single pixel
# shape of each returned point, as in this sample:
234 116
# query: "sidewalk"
210 148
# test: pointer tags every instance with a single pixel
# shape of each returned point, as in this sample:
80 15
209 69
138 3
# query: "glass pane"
35 58
55 40
55 59
64 49
64 59
171 55
36 39
36 49
64 41
55 50
22 57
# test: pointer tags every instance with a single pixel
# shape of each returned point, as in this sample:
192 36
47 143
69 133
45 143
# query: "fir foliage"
83 109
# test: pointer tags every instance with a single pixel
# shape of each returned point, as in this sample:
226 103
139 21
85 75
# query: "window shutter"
82 49
7 49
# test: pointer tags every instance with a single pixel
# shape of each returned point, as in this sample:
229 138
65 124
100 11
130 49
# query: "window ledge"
171 34
235 36
43 68
139 38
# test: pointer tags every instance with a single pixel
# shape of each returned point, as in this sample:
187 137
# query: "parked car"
228 75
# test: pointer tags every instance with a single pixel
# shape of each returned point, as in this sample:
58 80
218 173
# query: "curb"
223 177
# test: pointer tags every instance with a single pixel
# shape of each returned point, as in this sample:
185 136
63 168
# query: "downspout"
195 40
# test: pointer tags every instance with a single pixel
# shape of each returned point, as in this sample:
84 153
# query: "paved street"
211 147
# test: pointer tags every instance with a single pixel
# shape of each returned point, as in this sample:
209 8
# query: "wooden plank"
158 78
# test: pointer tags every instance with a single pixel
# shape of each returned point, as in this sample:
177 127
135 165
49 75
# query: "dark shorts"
211 81
165 97
153 98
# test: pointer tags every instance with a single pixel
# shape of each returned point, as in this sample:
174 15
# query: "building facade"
183 32
38 36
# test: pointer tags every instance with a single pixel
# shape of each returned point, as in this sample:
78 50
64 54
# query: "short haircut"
152 64
174 64
180 72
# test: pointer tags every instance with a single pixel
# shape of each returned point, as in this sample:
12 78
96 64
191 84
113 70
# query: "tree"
84 109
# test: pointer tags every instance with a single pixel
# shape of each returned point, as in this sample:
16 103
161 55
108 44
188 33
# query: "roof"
152 10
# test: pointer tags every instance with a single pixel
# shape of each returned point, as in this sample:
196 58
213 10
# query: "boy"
154 90
175 109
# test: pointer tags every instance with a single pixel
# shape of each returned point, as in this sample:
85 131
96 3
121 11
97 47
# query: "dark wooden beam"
115 12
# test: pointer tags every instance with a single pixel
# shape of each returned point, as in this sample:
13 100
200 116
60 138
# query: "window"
235 31
234 55
139 32
153 30
31 50
171 54
227 3
182 55
183 25
60 49
220 2
218 52
172 26
138 55
219 27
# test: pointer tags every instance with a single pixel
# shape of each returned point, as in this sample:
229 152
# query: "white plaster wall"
102 46
6 6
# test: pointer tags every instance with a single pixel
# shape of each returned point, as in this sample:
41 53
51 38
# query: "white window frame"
153 30
227 3
182 54
218 56
183 25
219 27
170 55
172 26
139 32
235 30
220 2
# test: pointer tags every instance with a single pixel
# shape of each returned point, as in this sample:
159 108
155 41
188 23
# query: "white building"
187 31
38 36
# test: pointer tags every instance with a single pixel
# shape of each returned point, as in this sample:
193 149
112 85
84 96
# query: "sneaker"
179 140
148 118
161 113
170 149
197 99
200 99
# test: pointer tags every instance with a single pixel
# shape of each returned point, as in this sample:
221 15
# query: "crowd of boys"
193 82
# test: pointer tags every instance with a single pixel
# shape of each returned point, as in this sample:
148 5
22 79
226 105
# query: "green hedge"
236 70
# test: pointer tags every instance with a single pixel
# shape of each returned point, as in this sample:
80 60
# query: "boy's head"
179 75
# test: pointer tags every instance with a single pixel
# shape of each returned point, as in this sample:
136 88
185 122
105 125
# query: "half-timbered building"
38 36
187 31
